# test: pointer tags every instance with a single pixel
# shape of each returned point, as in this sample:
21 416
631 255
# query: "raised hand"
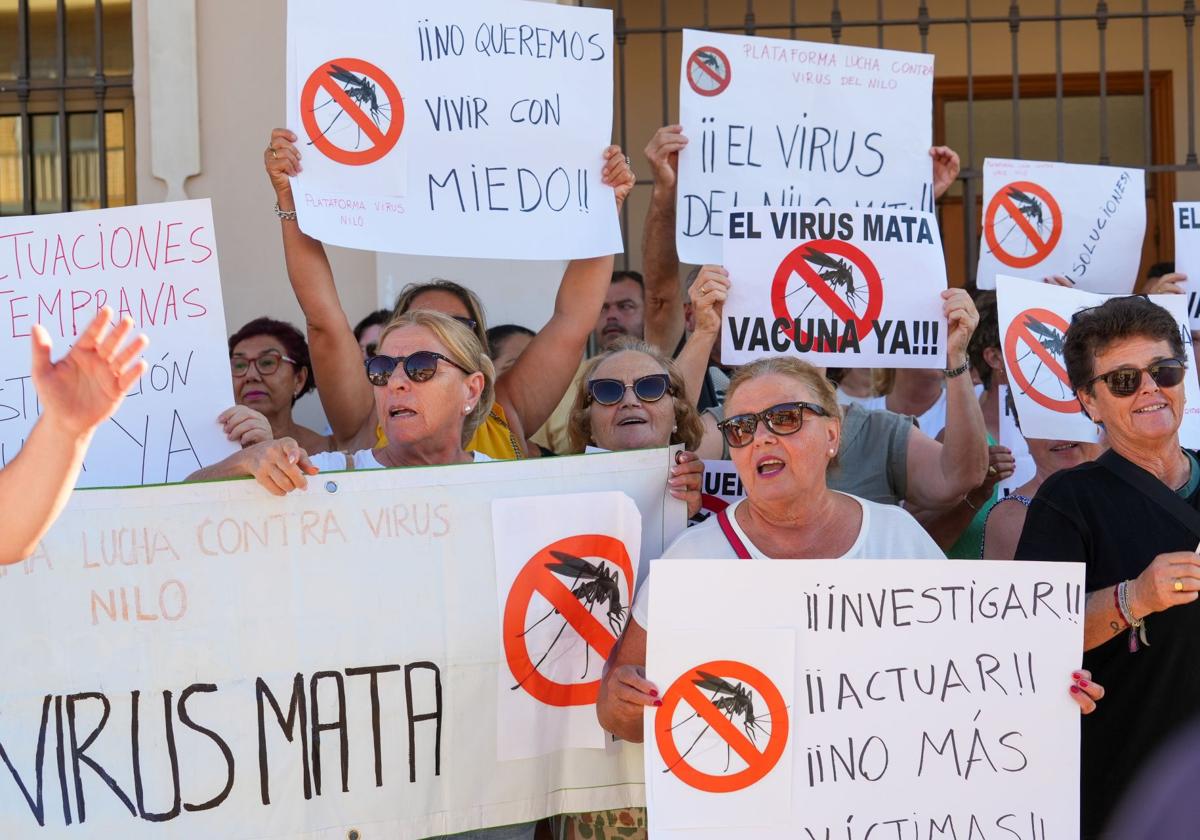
945 169
663 154
282 160
708 294
618 174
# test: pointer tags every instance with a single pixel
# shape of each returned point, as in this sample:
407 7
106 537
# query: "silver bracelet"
958 371
286 215
1137 626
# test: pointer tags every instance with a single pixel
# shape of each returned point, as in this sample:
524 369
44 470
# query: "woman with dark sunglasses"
526 394
1128 516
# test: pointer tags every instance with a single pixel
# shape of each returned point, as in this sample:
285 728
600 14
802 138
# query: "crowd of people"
835 463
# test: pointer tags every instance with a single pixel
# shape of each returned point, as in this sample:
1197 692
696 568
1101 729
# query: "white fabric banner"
791 123
1083 222
1034 318
156 263
1187 253
473 128
838 288
864 698
206 660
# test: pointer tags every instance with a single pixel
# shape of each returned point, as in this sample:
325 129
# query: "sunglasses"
651 388
419 366
1124 381
266 364
783 419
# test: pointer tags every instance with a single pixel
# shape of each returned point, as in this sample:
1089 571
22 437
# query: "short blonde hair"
800 371
688 428
463 347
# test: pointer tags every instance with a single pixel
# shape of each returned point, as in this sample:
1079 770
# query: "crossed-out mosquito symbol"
361 91
1032 209
732 700
1052 341
837 273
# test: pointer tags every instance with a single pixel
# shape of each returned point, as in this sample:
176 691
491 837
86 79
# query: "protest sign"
1012 439
206 660
854 698
790 123
1187 254
157 264
565 589
722 486
1040 218
469 129
1033 324
839 288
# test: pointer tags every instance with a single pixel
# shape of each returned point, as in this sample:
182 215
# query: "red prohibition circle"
382 142
758 762
1018 336
700 71
795 262
1042 247
533 578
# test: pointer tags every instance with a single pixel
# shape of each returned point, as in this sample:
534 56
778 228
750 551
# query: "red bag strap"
739 547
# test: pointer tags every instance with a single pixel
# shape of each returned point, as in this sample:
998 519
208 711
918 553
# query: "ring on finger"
1178 585
992 469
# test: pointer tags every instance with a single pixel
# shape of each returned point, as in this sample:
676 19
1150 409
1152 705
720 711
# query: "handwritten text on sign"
1082 222
789 123
842 288
467 129
155 263
924 694
210 661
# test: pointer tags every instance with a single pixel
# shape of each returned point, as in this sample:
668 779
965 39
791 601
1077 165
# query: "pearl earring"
831 453
466 409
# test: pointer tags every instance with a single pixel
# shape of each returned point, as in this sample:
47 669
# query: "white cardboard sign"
792 123
1011 437
292 668
722 486
156 263
920 694
1187 253
465 129
1034 318
838 288
1082 222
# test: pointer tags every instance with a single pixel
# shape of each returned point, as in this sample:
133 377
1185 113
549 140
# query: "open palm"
85 387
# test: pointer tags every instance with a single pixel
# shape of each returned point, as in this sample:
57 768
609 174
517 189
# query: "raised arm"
708 296
336 357
77 394
660 261
531 389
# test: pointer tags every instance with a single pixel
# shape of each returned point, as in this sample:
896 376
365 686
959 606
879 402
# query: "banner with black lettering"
156 264
1082 222
207 660
1034 318
836 287
1187 254
864 699
792 123
463 128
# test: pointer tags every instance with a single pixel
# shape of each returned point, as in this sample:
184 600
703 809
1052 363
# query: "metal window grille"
66 105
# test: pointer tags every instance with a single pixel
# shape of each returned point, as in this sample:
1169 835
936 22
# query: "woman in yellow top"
526 394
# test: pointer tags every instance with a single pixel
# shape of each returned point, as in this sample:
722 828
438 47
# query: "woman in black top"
1121 516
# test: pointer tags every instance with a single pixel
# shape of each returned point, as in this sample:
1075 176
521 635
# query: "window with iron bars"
66 105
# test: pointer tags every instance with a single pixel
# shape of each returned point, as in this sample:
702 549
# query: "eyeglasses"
419 366
1124 381
650 388
783 419
266 364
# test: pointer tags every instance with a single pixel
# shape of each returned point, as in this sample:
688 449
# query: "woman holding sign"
76 394
1131 517
525 395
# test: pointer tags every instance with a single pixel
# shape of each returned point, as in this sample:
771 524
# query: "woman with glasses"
1130 516
271 370
525 395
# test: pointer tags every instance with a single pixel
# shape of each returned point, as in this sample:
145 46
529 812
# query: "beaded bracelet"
1137 626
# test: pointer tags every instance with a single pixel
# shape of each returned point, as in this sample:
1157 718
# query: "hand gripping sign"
366 97
733 703
576 575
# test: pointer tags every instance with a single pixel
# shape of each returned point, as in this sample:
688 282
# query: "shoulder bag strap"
1152 488
739 547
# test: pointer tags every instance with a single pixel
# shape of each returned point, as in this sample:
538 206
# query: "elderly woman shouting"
1130 517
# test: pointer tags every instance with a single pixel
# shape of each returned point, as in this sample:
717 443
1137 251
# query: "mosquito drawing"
735 701
1031 208
361 90
591 584
711 60
1051 340
837 273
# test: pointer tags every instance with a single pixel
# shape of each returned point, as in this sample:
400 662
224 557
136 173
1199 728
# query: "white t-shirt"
888 532
364 459
931 422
